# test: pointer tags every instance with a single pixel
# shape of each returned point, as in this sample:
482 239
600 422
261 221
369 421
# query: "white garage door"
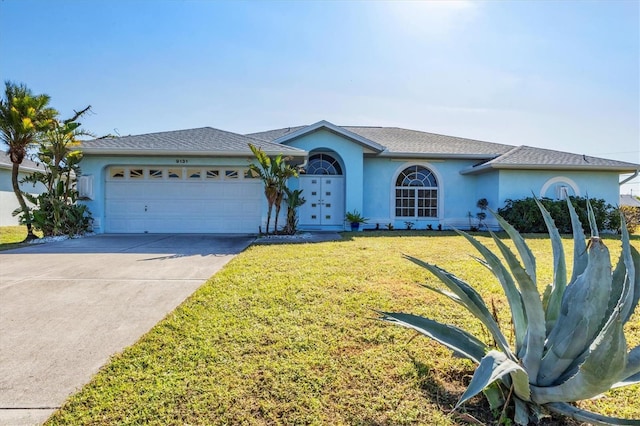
182 200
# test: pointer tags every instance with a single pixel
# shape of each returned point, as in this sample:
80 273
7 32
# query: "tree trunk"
270 206
278 204
23 204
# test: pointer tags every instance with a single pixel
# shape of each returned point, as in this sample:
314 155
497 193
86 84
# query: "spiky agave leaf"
587 416
523 249
580 257
533 350
631 373
471 300
494 264
559 270
634 262
494 366
602 368
456 339
584 307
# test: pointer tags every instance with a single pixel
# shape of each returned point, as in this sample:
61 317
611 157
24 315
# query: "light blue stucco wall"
348 153
516 184
457 194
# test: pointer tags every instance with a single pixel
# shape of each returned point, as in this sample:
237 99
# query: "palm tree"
22 116
58 149
283 172
294 200
265 170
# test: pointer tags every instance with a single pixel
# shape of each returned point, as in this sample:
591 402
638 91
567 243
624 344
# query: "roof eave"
392 154
169 153
598 168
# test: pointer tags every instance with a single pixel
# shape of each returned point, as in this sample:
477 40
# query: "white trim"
559 179
392 195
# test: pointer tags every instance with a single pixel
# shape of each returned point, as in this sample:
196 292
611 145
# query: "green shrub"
524 214
54 215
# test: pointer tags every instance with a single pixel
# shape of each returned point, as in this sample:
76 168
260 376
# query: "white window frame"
439 192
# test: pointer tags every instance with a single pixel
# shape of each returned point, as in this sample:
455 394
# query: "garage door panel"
186 205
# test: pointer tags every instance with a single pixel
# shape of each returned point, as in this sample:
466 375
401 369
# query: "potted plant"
355 219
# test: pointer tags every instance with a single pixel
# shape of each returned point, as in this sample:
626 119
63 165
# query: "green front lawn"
286 334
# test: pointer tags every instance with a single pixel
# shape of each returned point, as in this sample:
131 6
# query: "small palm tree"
294 200
22 116
274 172
283 172
265 170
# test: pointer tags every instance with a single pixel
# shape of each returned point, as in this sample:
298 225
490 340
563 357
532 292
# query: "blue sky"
562 75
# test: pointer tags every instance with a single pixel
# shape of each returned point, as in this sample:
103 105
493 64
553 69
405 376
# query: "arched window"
323 164
416 193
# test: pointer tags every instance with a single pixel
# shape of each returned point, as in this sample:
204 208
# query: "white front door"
325 201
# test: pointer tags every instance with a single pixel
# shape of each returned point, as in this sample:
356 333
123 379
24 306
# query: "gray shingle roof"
397 140
530 157
404 142
191 141
271 135
5 163
407 141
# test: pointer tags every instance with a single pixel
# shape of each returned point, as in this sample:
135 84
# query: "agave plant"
569 343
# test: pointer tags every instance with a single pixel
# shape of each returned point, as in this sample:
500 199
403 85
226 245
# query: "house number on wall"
181 161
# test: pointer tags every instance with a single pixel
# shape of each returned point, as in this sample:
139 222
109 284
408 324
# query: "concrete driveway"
66 307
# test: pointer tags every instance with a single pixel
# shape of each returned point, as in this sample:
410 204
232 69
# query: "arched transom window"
323 164
416 193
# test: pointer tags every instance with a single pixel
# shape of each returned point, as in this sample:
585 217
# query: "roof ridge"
168 131
431 133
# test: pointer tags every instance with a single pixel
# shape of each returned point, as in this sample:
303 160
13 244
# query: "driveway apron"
66 307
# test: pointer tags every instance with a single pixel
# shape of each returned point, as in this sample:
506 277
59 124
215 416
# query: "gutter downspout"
633 176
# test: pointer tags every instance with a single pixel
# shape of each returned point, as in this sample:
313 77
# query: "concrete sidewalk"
66 307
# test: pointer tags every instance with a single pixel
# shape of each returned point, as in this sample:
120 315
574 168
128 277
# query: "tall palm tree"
22 116
58 149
